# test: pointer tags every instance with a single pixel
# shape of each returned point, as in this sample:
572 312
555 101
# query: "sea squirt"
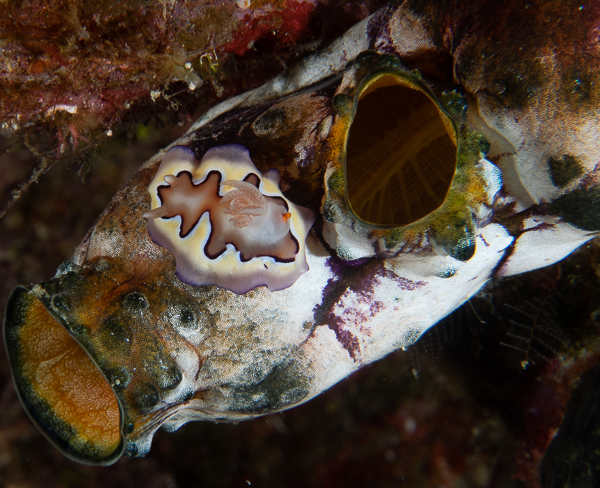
213 298
226 223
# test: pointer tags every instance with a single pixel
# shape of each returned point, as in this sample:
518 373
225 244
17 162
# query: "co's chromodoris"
227 223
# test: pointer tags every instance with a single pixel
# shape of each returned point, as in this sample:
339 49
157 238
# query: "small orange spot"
287 216
37 67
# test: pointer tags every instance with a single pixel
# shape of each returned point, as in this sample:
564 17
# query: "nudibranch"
226 223
431 160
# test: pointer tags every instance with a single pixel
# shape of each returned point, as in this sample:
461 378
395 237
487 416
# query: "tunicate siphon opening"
61 388
400 153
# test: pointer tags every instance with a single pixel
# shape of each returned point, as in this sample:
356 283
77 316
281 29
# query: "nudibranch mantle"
227 223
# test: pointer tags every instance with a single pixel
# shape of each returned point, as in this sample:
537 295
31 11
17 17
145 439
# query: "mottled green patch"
76 329
70 280
454 103
131 450
163 370
135 302
116 336
189 315
187 319
284 386
128 426
446 273
366 59
370 63
60 304
393 237
187 395
564 170
473 147
345 252
343 104
145 396
270 123
392 62
119 377
457 238
337 182
329 211
580 208
56 295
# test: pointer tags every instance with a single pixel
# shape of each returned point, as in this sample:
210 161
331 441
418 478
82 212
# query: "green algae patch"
580 208
564 170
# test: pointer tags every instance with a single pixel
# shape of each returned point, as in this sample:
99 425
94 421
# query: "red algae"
290 23
76 72
76 69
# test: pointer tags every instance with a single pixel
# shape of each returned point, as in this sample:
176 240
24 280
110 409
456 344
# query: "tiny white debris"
192 86
243 3
410 425
154 94
109 132
188 65
61 107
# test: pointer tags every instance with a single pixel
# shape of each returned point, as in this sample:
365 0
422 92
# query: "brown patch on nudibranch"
181 197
